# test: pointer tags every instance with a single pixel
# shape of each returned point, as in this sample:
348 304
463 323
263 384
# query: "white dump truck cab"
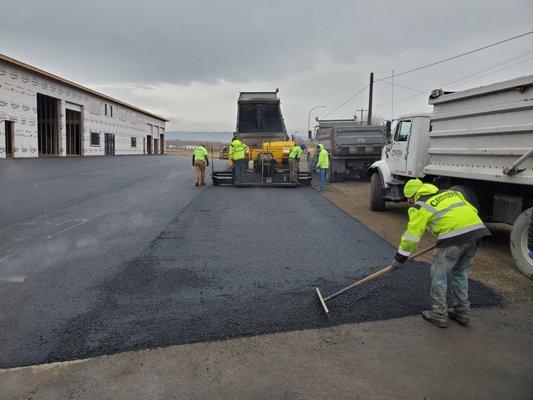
404 157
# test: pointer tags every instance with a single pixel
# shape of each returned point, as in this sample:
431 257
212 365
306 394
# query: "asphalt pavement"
103 255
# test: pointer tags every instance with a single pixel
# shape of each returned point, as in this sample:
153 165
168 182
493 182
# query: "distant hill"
199 136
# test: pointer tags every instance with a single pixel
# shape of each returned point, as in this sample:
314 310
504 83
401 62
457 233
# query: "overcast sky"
189 60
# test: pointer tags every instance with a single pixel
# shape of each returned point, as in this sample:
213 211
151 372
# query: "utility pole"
370 94
392 97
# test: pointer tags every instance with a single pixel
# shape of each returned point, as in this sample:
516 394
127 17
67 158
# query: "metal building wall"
18 103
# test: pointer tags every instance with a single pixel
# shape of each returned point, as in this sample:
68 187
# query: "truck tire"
469 194
332 175
377 191
518 243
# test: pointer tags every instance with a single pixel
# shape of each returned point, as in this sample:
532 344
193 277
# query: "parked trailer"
477 141
352 147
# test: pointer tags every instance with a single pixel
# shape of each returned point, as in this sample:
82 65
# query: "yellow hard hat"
411 187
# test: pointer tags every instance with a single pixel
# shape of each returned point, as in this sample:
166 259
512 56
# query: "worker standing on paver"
237 153
294 162
322 165
458 228
200 160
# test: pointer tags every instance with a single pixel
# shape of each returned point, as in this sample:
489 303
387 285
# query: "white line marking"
14 279
82 221
4 258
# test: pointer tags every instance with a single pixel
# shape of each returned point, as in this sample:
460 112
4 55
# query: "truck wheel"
377 202
332 176
518 241
469 194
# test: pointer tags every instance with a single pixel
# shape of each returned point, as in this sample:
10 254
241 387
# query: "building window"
111 111
105 109
95 139
133 142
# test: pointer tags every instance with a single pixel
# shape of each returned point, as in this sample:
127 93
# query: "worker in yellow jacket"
237 153
458 228
200 160
294 162
322 165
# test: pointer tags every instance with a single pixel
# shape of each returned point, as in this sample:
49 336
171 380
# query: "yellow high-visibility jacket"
323 157
199 154
237 150
296 152
446 214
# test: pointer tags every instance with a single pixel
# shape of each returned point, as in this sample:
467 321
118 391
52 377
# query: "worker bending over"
294 162
458 228
322 165
237 153
200 160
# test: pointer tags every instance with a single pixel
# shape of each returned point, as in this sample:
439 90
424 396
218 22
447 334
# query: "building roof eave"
74 85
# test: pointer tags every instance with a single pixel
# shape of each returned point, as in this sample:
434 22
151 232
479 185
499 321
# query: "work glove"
395 264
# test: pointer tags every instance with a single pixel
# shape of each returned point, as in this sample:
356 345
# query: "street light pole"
309 118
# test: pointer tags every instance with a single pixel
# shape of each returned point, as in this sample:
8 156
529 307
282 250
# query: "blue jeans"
323 173
451 262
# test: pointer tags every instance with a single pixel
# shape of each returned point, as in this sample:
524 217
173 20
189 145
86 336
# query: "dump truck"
477 141
352 146
261 127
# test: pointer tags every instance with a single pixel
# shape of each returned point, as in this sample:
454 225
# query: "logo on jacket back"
435 201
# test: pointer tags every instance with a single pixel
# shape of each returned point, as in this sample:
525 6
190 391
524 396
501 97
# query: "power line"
465 79
345 102
457 56
401 86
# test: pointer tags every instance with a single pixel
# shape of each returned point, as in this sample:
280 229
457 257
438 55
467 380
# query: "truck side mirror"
388 131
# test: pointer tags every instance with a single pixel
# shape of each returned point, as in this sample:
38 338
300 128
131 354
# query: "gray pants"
293 165
238 170
451 262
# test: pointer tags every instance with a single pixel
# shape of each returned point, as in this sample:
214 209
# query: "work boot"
196 184
462 319
203 184
426 314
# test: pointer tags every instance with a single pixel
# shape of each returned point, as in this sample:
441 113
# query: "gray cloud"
320 51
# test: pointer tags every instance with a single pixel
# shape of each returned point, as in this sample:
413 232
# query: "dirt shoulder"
493 265
404 358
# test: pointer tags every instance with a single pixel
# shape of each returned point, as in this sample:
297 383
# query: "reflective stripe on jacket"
323 157
446 214
296 152
200 153
237 150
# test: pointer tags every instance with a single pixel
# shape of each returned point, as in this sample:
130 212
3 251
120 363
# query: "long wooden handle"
375 275
387 269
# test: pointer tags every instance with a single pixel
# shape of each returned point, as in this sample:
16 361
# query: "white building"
44 115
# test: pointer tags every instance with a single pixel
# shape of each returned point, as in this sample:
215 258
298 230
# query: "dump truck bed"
259 118
478 133
347 138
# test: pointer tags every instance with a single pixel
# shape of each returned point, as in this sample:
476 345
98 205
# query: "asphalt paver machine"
261 127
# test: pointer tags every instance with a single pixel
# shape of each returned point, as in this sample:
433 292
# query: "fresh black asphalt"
104 255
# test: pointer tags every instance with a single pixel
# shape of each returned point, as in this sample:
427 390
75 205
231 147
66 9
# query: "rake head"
322 302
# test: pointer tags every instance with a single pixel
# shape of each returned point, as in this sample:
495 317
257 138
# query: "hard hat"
411 187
